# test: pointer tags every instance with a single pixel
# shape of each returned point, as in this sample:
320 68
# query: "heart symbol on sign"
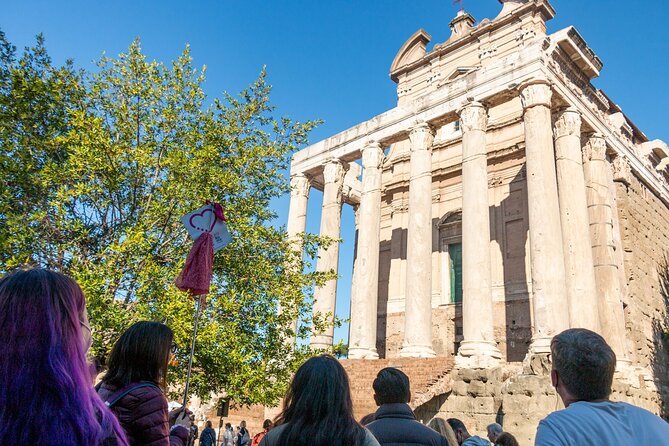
200 221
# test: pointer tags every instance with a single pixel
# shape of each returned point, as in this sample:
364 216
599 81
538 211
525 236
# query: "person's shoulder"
272 436
370 439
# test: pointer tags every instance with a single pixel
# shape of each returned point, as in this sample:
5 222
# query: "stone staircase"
429 377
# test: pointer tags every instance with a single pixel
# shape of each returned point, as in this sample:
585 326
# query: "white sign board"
204 220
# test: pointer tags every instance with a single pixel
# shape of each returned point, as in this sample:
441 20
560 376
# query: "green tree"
95 171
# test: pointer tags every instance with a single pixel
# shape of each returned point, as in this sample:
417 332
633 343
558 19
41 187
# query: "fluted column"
478 348
551 312
325 295
580 274
607 276
364 297
418 295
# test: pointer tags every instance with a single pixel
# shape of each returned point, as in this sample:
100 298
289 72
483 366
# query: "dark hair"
368 418
317 408
208 423
46 393
506 439
228 425
142 353
584 362
267 424
457 425
391 386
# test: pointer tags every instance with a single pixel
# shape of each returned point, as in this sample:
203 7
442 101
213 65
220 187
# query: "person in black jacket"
395 422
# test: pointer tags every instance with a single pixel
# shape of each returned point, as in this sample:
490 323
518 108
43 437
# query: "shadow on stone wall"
660 358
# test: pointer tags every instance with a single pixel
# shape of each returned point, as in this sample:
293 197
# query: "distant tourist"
440 425
395 423
193 431
257 438
208 435
46 394
462 435
506 439
243 436
582 374
134 383
494 430
228 435
317 409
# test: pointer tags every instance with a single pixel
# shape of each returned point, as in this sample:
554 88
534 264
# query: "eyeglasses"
173 348
87 327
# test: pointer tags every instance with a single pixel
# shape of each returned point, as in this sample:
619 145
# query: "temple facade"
503 200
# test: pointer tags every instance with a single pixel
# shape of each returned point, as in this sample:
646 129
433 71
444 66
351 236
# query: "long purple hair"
46 394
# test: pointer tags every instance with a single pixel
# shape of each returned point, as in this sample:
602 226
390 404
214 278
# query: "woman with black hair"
318 409
134 383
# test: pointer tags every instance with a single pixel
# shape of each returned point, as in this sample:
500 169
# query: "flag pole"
198 306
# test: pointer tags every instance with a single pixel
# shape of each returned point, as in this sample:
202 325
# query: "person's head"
208 423
459 429
45 380
142 353
317 408
506 439
242 424
391 386
583 365
228 426
267 425
494 430
441 426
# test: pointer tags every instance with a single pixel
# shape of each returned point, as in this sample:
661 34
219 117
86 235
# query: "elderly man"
582 374
494 431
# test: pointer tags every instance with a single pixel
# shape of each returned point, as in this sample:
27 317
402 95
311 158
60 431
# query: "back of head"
267 424
142 353
457 425
208 423
391 386
506 439
584 362
441 426
45 383
494 430
317 407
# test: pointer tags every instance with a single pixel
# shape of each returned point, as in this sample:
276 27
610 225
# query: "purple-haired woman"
46 395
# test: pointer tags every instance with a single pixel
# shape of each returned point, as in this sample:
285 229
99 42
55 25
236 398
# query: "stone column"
580 274
478 348
297 218
551 312
600 209
418 295
325 295
364 297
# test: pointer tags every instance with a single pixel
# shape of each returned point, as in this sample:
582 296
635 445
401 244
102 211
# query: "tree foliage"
97 167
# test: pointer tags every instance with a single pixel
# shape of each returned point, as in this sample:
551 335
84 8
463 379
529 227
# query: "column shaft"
478 349
325 296
580 274
364 297
603 250
551 312
418 295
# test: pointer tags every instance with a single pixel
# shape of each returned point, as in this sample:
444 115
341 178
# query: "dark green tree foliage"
95 171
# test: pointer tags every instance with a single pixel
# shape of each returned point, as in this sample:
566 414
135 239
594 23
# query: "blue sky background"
330 59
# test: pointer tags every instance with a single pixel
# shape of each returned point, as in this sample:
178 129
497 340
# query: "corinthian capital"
536 92
299 185
567 123
473 116
421 136
334 171
594 147
372 156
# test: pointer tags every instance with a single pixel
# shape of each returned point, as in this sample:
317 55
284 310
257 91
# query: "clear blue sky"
330 59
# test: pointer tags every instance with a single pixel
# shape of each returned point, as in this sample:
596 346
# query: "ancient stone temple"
503 200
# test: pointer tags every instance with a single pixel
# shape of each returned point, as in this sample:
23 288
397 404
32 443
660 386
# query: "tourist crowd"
47 395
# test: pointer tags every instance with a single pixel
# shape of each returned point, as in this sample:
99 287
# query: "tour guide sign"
208 228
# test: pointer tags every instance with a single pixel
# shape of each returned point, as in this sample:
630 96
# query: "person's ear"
554 378
376 400
409 397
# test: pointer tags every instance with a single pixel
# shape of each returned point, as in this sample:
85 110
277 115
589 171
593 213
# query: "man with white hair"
494 430
582 373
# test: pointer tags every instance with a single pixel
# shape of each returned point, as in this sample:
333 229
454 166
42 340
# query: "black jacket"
396 425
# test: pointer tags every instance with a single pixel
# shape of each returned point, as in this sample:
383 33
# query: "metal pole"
192 348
